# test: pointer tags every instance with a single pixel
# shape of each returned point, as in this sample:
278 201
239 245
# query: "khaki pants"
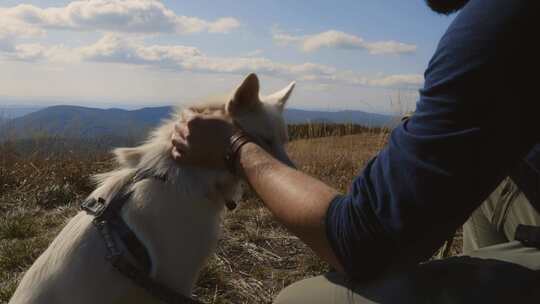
493 269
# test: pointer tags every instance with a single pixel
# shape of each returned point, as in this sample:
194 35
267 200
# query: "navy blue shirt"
475 121
533 158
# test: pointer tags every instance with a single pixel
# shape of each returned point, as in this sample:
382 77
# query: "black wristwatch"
236 141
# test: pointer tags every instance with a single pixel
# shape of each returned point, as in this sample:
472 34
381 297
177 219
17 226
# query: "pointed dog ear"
245 96
129 157
280 98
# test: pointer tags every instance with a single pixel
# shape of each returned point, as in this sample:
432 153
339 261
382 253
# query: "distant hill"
84 122
11 111
348 116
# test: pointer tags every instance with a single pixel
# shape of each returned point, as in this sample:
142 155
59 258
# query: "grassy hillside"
47 144
255 258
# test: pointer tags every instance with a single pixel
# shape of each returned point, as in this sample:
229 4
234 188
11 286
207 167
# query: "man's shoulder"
533 158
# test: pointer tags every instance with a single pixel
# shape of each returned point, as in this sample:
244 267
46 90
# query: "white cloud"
223 25
254 53
398 80
341 40
127 16
113 48
286 39
37 52
332 39
10 30
354 78
389 47
31 52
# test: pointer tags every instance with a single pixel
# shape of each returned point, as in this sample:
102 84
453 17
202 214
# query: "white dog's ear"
129 157
246 95
280 98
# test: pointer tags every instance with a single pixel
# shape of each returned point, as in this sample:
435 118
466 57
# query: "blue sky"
363 54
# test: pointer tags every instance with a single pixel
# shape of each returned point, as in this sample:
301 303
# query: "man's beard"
446 7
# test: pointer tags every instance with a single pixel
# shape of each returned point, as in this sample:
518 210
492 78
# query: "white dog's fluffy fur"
177 220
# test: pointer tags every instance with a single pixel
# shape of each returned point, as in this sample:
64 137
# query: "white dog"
177 219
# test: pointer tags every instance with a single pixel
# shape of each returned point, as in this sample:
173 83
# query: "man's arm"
443 162
476 118
297 200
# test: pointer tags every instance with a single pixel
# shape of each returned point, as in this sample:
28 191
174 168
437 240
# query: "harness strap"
139 276
109 224
132 243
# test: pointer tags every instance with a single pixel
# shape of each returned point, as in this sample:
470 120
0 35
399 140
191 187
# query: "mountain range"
8 112
84 122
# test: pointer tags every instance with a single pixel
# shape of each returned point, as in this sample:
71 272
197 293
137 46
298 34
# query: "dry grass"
255 258
317 130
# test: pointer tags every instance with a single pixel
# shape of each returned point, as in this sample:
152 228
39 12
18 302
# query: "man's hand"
297 200
202 141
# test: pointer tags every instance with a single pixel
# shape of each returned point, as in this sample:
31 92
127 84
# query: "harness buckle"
94 206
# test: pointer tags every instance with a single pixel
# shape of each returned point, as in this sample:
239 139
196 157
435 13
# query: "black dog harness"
112 229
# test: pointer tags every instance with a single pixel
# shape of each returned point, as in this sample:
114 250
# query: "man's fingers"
177 127
187 114
180 143
176 155
198 121
182 130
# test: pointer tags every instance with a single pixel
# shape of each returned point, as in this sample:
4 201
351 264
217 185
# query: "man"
474 123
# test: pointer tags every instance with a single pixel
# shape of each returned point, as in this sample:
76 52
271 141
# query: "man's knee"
462 279
511 252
